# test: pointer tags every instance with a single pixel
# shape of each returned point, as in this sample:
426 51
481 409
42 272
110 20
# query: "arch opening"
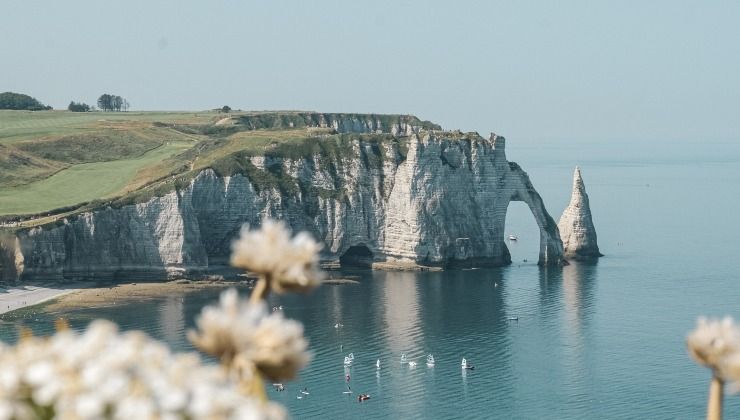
522 234
357 256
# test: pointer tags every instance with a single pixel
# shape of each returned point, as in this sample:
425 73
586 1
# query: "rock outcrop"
576 225
430 198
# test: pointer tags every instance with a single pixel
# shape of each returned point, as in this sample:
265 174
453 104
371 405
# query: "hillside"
58 162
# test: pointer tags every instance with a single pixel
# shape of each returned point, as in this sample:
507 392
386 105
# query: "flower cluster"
716 345
247 331
102 373
288 264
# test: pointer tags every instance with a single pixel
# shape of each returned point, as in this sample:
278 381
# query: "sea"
586 341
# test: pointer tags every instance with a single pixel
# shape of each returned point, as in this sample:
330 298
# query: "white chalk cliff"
408 197
576 225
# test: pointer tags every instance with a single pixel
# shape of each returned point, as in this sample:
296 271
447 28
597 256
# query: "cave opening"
357 256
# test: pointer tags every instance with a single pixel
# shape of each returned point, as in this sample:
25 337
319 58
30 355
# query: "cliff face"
436 198
576 225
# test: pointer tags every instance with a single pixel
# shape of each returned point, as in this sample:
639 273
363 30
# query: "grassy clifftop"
58 162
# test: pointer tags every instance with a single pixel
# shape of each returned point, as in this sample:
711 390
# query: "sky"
534 70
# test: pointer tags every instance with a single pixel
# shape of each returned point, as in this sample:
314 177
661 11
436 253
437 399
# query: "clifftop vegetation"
58 163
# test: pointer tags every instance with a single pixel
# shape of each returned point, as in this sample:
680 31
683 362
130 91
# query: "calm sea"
591 341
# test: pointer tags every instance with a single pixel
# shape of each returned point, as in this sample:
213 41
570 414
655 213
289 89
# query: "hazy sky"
586 69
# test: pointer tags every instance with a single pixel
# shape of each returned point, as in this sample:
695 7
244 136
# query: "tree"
108 102
104 102
19 101
78 107
226 108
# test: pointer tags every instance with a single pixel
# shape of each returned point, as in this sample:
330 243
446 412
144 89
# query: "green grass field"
81 183
51 160
31 125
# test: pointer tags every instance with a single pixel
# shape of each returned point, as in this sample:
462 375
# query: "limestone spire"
576 225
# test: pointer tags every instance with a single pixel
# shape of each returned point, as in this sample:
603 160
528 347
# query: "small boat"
430 360
403 358
305 391
464 364
338 325
363 397
514 318
347 361
377 364
412 364
513 237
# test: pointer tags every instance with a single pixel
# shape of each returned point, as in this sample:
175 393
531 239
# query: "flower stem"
261 289
714 405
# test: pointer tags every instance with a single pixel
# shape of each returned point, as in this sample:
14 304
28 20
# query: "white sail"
377 364
430 360
464 363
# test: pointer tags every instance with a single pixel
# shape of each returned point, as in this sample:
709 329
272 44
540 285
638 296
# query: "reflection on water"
172 319
455 314
400 313
556 360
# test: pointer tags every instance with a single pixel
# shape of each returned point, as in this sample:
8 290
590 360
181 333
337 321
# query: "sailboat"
430 360
403 358
464 364
349 359
377 365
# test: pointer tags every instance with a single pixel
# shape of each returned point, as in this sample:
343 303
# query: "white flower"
289 264
275 345
713 343
125 375
89 406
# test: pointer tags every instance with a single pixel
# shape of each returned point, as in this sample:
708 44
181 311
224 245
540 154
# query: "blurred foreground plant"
283 264
244 336
716 345
102 373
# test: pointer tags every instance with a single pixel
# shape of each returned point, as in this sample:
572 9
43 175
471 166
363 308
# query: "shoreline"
19 297
98 295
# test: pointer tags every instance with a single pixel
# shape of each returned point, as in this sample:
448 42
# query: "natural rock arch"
518 187
551 247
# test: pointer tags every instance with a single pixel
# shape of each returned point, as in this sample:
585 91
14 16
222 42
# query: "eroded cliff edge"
403 196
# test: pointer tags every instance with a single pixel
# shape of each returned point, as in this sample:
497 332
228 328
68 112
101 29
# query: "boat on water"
430 360
465 365
377 365
349 359
412 364
403 358
513 238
